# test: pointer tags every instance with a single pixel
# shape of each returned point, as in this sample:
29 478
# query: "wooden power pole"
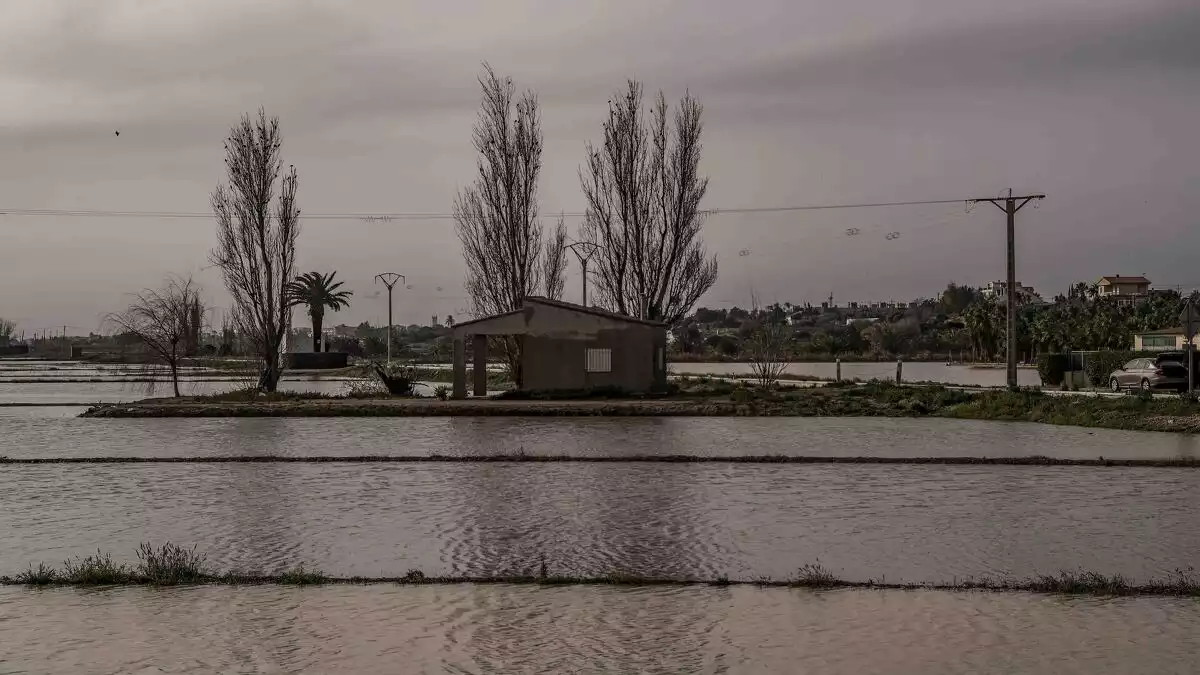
1010 207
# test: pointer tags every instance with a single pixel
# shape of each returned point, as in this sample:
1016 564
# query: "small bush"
399 380
97 570
299 576
169 565
814 575
1052 368
1081 581
41 576
442 392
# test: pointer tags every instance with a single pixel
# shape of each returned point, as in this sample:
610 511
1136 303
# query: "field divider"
1181 462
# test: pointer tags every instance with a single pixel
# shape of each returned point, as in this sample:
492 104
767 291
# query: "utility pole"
584 250
1010 208
1189 320
389 279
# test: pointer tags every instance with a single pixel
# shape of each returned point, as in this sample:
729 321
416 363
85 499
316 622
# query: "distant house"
1123 286
998 291
1160 340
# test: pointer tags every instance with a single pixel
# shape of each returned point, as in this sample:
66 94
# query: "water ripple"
466 629
910 523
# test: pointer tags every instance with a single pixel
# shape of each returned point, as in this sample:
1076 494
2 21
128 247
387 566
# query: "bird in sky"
117 133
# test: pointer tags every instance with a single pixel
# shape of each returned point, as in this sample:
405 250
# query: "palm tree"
318 291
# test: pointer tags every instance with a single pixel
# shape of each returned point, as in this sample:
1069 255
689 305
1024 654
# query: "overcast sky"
1094 102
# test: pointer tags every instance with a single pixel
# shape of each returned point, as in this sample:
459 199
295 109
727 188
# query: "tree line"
961 323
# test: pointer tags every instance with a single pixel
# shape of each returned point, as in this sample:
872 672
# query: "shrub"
1052 368
1099 365
814 575
169 565
299 576
442 392
40 576
97 570
399 380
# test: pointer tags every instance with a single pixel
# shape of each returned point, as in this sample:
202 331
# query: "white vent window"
599 360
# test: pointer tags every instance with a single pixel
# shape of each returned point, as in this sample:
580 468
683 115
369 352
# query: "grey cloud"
805 103
1034 49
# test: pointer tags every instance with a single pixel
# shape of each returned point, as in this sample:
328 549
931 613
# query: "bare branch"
256 244
643 189
164 320
497 217
767 346
554 262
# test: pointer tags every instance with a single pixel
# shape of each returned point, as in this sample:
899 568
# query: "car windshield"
1132 365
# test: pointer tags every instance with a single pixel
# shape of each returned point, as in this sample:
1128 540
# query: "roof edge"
583 309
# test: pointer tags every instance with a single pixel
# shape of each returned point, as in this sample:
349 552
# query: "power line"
393 216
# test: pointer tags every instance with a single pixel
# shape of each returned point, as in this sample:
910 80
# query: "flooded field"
51 432
897 523
902 522
493 629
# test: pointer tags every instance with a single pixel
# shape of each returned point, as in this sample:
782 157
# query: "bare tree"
256 239
554 262
6 331
643 190
767 346
503 241
162 320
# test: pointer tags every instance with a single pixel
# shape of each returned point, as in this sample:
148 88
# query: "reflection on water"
438 629
913 523
43 432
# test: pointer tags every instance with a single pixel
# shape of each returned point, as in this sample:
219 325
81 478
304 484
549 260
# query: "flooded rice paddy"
895 522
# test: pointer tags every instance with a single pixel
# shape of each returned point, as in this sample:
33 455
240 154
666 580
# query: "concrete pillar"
479 364
460 369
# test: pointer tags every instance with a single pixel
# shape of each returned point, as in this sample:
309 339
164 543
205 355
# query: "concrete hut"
567 347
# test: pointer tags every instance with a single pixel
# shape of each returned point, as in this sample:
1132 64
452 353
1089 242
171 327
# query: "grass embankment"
1135 413
171 565
706 397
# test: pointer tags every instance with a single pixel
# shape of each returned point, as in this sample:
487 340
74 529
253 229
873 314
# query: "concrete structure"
1163 340
567 347
1118 285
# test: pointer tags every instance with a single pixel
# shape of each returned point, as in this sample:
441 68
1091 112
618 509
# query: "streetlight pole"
389 279
584 250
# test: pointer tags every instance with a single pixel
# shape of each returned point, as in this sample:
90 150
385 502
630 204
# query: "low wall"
317 360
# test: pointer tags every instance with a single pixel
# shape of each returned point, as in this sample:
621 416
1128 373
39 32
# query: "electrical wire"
393 216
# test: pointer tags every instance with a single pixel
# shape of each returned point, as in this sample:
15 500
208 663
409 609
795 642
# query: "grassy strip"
1135 413
705 397
1033 460
172 565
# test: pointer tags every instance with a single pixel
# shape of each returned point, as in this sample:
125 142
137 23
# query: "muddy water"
902 522
496 629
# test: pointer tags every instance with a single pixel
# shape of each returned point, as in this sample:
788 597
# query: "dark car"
1164 371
